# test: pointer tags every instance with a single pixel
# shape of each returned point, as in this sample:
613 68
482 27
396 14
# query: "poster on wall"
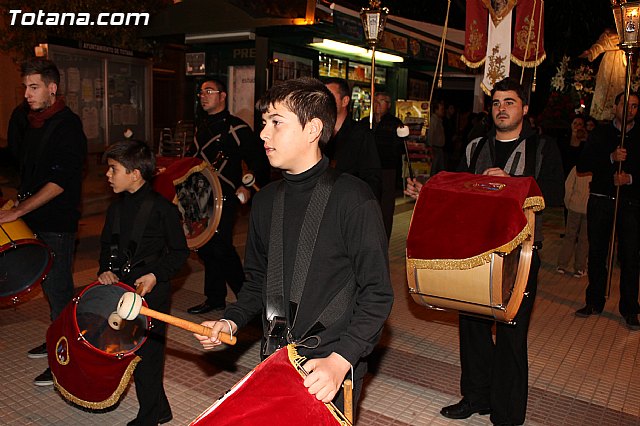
195 64
242 81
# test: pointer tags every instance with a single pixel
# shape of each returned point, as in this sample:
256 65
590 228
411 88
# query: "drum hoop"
200 240
76 329
27 292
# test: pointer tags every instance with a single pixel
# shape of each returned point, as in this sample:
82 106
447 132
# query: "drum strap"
139 225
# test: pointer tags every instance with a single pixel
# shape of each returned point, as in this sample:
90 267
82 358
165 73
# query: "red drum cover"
94 370
273 394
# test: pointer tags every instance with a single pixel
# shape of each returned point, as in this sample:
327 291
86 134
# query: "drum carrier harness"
279 331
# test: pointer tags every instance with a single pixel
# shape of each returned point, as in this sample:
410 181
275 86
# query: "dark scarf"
37 118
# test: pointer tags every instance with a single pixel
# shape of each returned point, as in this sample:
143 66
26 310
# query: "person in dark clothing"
143 245
390 148
225 141
47 139
600 157
352 147
349 257
495 375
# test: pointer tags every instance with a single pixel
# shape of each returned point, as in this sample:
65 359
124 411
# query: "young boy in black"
348 267
143 245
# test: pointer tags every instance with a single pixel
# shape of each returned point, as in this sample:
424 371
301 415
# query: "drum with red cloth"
470 243
24 261
273 394
194 187
92 362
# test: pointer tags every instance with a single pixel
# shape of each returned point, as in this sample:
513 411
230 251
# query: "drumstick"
7 206
116 321
130 306
249 181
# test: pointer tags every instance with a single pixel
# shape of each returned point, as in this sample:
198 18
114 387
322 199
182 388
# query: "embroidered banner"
496 66
475 43
528 35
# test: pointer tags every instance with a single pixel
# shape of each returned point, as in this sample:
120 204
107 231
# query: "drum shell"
494 289
24 262
83 373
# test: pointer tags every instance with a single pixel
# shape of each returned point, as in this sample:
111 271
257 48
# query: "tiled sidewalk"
583 371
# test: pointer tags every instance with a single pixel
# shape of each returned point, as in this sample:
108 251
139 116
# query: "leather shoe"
162 420
632 322
588 311
464 409
203 308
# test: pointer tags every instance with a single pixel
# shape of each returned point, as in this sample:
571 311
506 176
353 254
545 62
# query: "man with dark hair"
352 148
345 280
495 375
225 141
601 157
47 139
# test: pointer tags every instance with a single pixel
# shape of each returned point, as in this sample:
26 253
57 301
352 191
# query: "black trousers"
222 264
629 251
497 373
148 375
599 223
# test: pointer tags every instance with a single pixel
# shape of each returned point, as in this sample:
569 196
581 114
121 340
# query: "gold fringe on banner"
472 64
528 64
112 400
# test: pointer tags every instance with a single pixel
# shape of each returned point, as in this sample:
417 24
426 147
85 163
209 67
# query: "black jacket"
351 245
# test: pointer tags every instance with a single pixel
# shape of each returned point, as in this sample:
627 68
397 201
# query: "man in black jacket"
495 375
348 267
47 139
352 148
601 156
224 141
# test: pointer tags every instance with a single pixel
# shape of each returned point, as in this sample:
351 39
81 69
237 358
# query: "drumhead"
199 200
93 308
23 265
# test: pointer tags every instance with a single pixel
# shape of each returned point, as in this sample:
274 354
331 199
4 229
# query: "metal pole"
623 130
373 83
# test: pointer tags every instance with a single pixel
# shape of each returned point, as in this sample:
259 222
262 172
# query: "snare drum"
91 362
24 262
194 187
470 243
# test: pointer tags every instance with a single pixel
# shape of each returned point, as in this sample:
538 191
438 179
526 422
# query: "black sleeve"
105 239
176 252
253 153
551 176
369 169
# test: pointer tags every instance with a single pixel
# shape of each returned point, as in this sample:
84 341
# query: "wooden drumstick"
249 181
116 321
130 306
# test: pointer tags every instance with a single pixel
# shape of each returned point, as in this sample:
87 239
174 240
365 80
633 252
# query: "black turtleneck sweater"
163 244
351 244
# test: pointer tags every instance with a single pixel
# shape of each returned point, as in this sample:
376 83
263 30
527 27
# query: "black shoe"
204 308
162 420
44 379
588 311
464 409
632 322
38 352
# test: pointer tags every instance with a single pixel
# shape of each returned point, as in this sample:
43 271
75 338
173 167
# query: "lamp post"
373 21
627 17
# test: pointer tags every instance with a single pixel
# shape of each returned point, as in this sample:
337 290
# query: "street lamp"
627 17
373 21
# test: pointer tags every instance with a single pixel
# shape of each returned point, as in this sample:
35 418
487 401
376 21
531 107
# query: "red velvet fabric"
273 395
174 169
83 374
461 215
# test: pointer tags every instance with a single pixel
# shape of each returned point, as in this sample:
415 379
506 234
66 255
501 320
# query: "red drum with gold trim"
194 187
470 243
272 394
92 362
24 262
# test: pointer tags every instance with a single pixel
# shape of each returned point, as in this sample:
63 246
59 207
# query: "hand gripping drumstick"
249 181
130 306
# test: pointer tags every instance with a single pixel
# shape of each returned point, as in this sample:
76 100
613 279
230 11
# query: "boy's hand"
146 282
108 277
326 376
216 326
